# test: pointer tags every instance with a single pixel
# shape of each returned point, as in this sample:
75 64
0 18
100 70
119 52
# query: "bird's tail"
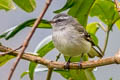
93 52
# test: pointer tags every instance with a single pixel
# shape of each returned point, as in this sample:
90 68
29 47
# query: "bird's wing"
86 36
83 33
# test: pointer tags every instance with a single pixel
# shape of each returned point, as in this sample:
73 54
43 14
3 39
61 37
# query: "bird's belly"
70 46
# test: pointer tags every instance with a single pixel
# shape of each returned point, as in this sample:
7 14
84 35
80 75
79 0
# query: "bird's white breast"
70 43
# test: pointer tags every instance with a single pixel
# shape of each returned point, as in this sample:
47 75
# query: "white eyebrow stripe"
64 17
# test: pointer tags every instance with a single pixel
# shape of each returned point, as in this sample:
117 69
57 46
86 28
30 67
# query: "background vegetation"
104 10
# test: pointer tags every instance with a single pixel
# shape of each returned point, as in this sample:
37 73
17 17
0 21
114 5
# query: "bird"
70 37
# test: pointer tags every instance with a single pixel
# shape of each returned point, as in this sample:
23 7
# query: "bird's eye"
60 20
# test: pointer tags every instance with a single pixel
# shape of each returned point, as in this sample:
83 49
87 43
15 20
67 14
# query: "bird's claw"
80 65
67 65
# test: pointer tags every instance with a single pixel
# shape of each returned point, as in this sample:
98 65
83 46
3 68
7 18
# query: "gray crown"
61 17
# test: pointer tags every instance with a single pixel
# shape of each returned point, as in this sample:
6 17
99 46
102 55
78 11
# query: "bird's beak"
51 22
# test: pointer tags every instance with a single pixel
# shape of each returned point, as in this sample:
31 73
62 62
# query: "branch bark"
60 65
27 40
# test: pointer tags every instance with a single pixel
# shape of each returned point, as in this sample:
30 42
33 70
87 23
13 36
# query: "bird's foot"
80 65
67 65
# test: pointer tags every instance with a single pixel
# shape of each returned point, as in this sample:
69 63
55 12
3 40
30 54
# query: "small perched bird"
70 38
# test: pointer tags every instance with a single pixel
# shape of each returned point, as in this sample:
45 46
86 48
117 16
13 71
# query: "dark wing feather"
84 33
88 38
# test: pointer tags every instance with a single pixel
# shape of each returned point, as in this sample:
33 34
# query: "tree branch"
60 65
27 40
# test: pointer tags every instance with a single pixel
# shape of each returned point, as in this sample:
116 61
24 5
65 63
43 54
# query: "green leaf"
6 5
45 49
92 27
77 58
94 38
32 67
111 78
23 74
36 70
118 24
80 10
82 74
41 51
43 24
4 34
19 28
5 59
106 11
68 5
26 5
29 23
64 73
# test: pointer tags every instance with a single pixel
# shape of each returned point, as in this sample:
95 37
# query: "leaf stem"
106 41
102 27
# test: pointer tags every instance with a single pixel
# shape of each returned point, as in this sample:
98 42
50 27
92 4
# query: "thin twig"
102 27
5 53
26 41
106 42
60 65
50 70
49 74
